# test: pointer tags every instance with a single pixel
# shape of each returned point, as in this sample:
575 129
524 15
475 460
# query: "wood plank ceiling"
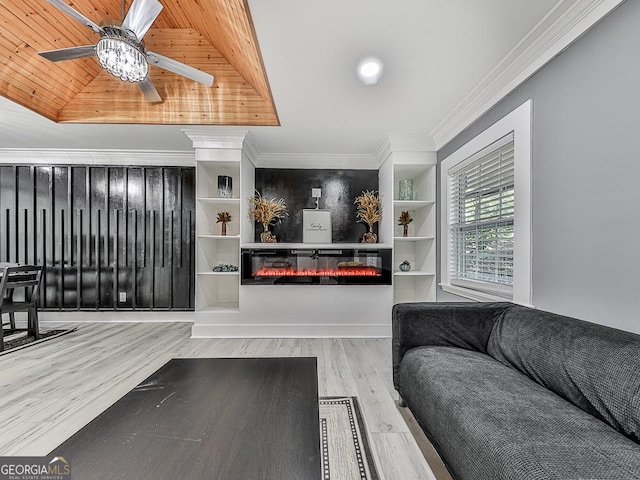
215 36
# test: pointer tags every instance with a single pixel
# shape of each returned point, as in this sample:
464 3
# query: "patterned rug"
345 449
18 339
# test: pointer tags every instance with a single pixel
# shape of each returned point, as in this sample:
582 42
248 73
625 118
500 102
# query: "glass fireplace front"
316 266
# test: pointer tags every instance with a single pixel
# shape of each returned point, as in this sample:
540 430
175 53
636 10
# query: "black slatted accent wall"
100 231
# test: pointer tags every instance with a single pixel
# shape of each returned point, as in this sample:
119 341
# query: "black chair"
27 277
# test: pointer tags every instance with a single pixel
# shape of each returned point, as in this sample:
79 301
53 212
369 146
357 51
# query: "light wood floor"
49 391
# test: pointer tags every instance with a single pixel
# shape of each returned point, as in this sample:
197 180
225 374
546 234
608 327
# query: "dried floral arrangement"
224 217
368 208
405 218
266 211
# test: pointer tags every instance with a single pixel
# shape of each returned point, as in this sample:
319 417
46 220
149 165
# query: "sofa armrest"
464 325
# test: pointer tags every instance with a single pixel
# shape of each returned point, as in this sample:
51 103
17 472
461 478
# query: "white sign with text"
316 226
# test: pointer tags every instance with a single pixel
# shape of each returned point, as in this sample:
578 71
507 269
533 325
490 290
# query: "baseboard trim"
117 316
225 330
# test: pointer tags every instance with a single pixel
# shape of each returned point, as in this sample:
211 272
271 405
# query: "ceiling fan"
121 50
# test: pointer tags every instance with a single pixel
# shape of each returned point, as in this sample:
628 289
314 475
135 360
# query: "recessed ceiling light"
370 70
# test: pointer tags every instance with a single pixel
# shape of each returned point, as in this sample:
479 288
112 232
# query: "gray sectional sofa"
509 392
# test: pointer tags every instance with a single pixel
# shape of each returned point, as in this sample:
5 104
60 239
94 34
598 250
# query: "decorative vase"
406 189
405 230
225 186
267 236
405 266
369 237
224 229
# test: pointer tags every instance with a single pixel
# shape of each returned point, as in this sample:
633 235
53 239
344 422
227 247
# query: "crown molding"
206 138
250 149
554 33
383 150
401 142
48 156
389 143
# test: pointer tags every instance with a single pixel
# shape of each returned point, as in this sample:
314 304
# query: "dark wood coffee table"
252 418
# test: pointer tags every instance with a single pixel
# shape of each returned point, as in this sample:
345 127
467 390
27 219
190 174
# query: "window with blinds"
482 220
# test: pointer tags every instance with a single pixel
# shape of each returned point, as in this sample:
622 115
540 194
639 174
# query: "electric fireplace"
316 266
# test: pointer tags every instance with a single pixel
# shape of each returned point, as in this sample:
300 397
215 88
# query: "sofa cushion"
489 421
596 368
466 325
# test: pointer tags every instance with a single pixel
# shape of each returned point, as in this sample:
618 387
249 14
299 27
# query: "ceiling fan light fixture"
121 50
122 58
370 70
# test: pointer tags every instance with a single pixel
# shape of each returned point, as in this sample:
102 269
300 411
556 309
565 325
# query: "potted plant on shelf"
368 211
266 212
405 219
224 218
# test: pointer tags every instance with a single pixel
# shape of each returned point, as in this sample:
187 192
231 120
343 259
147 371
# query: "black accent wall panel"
100 231
339 190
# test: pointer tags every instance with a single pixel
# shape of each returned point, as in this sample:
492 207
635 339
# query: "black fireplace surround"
316 266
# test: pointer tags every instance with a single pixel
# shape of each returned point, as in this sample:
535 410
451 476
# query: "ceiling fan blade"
60 5
141 16
179 68
149 90
69 53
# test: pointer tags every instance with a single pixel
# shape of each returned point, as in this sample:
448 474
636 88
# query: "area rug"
346 454
18 339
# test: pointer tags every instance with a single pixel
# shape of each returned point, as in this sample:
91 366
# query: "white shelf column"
413 158
215 155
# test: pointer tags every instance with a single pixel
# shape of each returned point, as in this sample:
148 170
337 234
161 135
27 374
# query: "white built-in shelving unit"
418 247
217 291
225 307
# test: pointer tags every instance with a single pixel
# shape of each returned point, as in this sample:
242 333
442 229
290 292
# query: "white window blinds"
482 219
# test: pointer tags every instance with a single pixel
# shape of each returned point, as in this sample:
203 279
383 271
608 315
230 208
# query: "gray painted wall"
586 174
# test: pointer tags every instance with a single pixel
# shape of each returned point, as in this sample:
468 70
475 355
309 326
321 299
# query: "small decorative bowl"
405 266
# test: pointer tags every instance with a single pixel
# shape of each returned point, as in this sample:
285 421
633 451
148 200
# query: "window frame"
517 122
